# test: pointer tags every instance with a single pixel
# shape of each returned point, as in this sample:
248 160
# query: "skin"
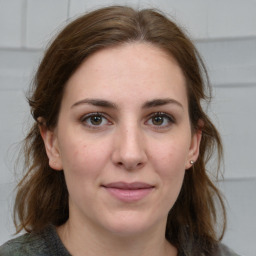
144 136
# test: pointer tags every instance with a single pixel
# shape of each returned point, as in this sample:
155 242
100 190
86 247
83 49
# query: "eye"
94 120
160 120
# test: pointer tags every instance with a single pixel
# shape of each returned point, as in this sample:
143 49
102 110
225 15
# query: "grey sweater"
48 243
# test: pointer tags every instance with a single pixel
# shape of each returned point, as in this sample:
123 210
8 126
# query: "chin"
131 224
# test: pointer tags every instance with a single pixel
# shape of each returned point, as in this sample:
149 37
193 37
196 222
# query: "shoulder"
218 249
223 250
26 244
42 243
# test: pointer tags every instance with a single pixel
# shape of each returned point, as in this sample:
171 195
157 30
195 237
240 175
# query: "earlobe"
51 145
194 148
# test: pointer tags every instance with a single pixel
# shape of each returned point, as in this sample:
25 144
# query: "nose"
129 152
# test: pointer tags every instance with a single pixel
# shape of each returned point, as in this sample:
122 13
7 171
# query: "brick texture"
225 34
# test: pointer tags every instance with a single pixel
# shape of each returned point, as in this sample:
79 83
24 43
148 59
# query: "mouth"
128 192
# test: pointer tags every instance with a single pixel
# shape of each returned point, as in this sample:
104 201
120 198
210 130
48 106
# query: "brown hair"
42 196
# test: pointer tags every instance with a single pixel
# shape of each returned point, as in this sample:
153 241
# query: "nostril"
130 166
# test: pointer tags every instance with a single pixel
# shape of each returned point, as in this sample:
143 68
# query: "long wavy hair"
42 195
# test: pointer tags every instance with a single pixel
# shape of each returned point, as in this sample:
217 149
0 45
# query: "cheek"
82 165
170 167
82 158
170 158
169 162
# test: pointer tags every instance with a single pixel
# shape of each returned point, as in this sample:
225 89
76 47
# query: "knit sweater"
48 243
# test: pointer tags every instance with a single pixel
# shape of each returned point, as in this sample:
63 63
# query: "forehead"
134 69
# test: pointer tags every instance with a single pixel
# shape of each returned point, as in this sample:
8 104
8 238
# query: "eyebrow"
161 102
96 102
108 104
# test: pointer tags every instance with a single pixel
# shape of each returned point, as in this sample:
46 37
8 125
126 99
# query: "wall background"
225 34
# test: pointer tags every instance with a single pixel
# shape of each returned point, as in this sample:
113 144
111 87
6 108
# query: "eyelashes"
156 120
95 120
160 120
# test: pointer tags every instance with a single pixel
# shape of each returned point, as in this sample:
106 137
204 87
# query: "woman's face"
123 139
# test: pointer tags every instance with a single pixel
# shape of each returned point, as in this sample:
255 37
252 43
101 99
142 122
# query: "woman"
116 157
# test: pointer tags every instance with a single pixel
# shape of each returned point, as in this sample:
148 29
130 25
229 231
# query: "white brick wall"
11 23
231 18
43 19
225 33
79 6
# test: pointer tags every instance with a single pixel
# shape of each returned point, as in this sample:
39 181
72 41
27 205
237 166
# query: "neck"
90 241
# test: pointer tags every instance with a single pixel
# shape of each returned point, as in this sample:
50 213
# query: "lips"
128 192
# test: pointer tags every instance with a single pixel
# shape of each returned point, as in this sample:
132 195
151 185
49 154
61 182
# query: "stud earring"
53 163
192 162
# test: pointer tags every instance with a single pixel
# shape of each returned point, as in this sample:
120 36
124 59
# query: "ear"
51 145
194 145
